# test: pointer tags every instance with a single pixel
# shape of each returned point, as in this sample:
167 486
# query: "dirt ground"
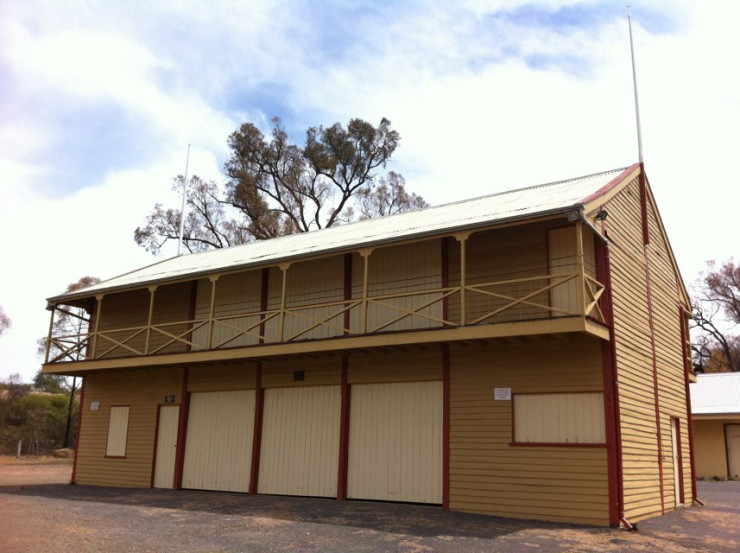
41 512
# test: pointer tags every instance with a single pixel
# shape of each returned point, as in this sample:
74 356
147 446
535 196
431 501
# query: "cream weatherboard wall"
490 475
506 419
646 328
711 448
142 391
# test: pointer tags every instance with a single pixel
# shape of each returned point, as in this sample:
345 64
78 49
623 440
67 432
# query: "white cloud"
474 117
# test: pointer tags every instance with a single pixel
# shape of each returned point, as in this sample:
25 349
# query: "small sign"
94 405
502 394
169 399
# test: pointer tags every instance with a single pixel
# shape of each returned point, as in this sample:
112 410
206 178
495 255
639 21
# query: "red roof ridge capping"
611 184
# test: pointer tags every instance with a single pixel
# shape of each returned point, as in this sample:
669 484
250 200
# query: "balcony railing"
549 296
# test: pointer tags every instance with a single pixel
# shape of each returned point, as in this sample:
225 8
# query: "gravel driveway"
40 512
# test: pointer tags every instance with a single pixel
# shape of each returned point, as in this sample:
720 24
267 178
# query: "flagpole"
634 84
182 208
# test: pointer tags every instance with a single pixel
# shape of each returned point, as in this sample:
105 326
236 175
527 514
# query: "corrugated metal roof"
716 393
500 207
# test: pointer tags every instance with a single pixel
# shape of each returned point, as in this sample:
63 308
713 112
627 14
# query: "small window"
117 432
559 419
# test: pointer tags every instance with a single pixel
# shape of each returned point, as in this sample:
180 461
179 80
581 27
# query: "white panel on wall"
567 418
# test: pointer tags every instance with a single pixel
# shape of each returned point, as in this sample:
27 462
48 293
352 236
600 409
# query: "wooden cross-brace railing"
422 309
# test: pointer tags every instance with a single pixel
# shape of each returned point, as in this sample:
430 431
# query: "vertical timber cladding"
299 453
143 391
564 264
395 430
397 279
220 428
124 310
488 474
236 306
637 397
494 258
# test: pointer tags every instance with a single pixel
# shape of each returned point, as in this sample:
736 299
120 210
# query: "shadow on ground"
409 519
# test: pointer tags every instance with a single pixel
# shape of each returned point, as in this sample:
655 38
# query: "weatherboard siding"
711 448
215 378
142 391
669 354
630 274
489 475
394 367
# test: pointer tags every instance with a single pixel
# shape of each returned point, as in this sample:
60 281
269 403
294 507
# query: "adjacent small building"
523 354
715 405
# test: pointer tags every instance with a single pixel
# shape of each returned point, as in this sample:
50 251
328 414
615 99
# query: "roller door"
218 447
395 442
300 441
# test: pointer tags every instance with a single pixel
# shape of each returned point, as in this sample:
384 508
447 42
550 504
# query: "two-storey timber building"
522 354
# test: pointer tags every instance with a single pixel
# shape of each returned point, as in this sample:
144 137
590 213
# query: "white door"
395 442
299 454
164 467
218 447
732 434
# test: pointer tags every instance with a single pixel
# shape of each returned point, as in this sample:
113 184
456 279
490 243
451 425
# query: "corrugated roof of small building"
517 204
716 393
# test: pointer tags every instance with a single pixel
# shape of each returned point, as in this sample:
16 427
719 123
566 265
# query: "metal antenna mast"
182 209
634 84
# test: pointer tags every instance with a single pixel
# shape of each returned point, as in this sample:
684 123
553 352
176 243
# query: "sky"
99 101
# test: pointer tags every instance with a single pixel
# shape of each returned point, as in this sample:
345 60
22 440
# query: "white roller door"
299 454
395 442
218 447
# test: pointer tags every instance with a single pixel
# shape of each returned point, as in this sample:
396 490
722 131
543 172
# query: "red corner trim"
344 432
259 398
611 391
445 266
264 295
644 207
182 429
347 290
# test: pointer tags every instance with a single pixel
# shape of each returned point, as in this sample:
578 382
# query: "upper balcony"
523 280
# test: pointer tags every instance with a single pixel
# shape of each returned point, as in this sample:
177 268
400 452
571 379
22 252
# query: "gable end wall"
637 271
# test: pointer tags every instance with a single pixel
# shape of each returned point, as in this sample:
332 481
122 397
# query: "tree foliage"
715 318
5 322
388 198
69 321
51 383
210 222
31 416
276 187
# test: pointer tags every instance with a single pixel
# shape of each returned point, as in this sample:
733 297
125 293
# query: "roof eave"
79 294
